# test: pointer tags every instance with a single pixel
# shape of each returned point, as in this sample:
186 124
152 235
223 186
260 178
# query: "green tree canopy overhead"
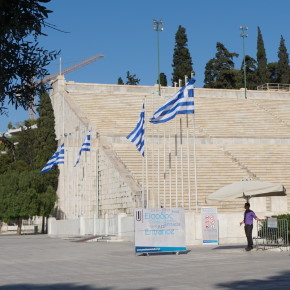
23 61
120 81
283 73
262 73
272 71
182 62
219 71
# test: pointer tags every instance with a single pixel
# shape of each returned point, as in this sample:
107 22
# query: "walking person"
249 215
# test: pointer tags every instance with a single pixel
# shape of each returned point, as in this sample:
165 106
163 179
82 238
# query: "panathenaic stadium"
229 138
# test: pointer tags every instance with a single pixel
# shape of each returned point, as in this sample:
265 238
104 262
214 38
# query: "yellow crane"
31 111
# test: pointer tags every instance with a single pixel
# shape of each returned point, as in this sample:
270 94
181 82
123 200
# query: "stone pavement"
39 262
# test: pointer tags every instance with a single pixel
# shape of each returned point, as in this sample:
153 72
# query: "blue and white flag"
137 135
181 103
57 158
85 147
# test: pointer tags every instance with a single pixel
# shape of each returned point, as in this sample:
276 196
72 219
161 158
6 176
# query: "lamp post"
157 26
243 35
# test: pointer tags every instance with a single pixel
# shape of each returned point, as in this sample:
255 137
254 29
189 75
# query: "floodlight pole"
243 35
157 26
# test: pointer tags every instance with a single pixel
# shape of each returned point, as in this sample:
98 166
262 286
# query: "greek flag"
85 147
57 158
181 103
137 135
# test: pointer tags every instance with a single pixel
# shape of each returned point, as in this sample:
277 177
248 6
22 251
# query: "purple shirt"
249 215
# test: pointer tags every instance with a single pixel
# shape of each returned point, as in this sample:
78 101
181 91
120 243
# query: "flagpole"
152 159
176 175
158 167
164 170
188 164
170 179
195 168
181 159
146 155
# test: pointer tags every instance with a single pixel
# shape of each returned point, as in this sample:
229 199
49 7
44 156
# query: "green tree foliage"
17 194
272 71
182 62
251 73
22 61
262 72
220 71
283 73
132 80
163 80
120 81
27 192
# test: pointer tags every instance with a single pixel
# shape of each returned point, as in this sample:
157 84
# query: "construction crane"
31 111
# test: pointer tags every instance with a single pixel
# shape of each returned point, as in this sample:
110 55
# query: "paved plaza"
40 262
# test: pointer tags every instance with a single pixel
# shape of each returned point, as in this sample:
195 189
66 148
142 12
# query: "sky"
123 32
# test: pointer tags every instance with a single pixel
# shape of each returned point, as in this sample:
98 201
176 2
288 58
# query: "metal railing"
274 87
272 233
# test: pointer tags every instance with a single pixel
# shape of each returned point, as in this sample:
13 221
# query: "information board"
209 222
159 230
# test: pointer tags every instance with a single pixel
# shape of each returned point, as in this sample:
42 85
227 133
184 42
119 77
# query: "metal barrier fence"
272 233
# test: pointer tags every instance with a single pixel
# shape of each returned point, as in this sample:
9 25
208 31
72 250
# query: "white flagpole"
181 159
152 160
164 169
176 168
158 167
195 171
146 155
188 164
170 179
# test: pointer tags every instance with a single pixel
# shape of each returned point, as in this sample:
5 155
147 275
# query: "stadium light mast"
157 26
243 35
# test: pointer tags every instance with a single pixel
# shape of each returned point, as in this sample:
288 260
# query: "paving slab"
40 262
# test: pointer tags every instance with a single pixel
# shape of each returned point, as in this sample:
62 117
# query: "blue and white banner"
159 230
181 103
210 227
57 158
86 146
137 135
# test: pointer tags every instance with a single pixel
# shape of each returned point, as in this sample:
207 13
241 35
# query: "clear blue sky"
123 32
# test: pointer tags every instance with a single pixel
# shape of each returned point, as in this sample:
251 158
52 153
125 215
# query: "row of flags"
181 103
58 156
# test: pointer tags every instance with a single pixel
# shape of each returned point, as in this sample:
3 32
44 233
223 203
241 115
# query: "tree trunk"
19 226
42 226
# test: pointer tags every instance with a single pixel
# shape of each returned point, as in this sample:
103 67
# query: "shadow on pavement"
62 286
276 282
229 247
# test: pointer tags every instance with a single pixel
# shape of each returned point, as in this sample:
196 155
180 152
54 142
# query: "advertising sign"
209 222
272 223
159 230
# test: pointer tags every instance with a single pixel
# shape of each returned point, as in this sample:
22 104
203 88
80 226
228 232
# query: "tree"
120 81
262 72
182 62
283 73
251 72
17 194
45 146
132 80
22 61
219 71
163 80
272 71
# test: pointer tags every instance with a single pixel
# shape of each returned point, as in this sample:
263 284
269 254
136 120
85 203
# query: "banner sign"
272 223
209 222
159 230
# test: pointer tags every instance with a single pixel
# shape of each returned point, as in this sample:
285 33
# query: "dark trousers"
248 232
